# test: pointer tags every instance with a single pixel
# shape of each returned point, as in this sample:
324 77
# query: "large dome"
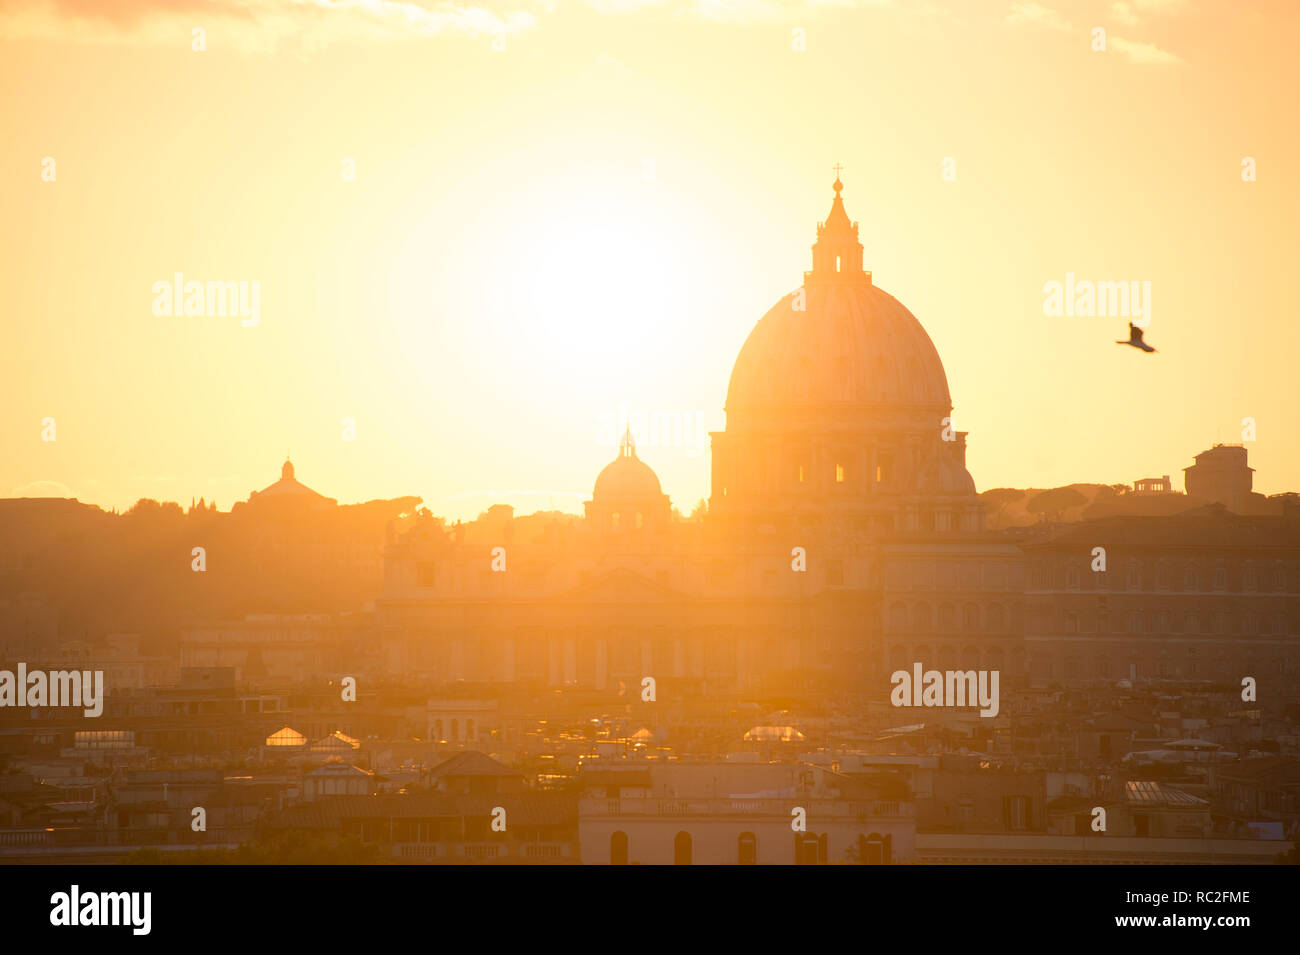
838 408
852 345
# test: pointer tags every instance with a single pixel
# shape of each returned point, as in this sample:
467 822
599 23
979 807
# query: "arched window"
747 849
921 618
682 849
618 848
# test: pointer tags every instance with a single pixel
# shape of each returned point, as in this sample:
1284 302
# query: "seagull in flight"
1135 338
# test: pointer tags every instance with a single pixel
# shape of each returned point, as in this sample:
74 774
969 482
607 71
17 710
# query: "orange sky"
507 274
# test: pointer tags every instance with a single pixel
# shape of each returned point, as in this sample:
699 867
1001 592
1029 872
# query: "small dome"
946 477
627 475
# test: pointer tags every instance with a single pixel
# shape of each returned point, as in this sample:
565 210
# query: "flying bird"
1135 338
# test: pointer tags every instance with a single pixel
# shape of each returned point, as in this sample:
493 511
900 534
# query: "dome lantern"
837 253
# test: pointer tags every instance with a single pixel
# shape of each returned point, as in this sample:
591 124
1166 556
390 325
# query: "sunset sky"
588 222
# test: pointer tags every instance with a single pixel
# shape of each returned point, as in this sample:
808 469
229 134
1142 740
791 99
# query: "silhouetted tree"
1054 503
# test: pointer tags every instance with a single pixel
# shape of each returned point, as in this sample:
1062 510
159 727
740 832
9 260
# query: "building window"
1132 579
803 472
747 849
947 619
1220 578
425 573
965 809
618 848
873 849
884 464
807 849
841 473
1072 577
1071 623
682 849
1249 578
1015 812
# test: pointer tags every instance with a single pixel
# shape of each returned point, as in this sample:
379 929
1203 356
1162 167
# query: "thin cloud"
1147 54
735 11
1036 15
252 24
